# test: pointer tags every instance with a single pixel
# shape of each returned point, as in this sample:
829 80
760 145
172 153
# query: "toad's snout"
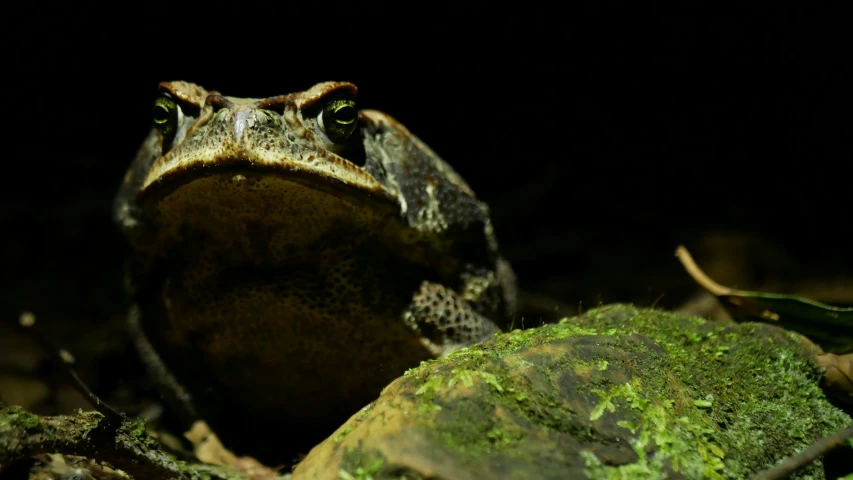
243 119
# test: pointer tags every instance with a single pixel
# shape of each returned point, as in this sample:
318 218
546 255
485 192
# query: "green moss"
682 444
743 379
483 433
79 433
702 393
350 426
136 427
343 433
427 392
16 417
467 378
359 465
14 420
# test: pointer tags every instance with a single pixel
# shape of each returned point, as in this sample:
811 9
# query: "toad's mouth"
343 179
264 215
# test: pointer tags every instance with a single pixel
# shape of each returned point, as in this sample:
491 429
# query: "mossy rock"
616 393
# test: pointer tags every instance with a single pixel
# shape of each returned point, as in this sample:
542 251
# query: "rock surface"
618 392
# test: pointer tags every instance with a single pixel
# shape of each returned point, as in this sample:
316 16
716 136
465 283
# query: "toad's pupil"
345 114
161 114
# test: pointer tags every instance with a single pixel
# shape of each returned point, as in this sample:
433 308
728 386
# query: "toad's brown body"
289 275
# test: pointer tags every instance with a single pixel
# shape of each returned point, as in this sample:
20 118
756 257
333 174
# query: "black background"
602 135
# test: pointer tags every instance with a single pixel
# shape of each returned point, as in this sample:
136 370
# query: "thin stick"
657 300
701 278
27 320
803 458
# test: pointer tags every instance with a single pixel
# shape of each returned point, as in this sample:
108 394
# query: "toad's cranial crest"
292 255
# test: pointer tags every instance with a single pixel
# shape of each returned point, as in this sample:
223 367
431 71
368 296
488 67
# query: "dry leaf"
209 449
838 379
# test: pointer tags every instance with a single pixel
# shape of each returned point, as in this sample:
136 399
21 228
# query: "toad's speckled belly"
306 340
286 302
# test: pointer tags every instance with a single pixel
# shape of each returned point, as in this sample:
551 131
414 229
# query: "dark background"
601 135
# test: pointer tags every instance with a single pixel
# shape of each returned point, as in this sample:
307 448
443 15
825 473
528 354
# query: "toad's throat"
266 219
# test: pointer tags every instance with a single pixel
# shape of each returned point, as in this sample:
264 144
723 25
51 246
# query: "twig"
803 458
105 435
88 434
701 278
655 303
27 321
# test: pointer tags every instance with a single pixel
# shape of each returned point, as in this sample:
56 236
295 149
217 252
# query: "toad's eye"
165 115
338 119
